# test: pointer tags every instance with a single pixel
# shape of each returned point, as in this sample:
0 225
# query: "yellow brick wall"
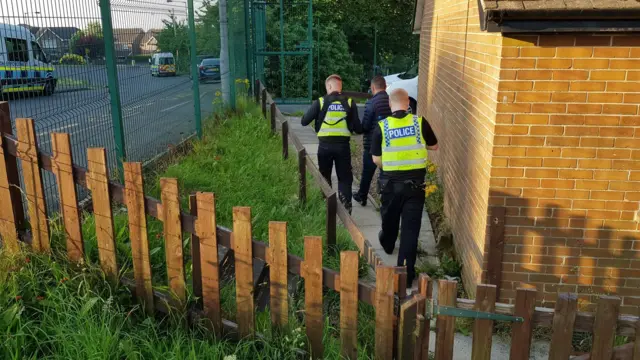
459 76
566 164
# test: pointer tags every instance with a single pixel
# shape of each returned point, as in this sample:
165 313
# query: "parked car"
408 81
209 69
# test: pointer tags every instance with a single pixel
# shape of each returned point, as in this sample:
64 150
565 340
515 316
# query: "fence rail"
401 332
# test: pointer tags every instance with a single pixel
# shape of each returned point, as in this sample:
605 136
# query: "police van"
23 65
163 64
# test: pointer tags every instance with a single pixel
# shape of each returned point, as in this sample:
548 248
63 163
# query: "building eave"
547 21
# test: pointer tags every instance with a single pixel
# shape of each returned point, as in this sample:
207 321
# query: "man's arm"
354 119
429 136
311 114
367 118
376 146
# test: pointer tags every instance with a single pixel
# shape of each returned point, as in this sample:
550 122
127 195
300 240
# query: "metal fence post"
114 87
194 69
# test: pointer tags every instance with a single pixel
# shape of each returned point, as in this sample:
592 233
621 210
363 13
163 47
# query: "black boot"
362 200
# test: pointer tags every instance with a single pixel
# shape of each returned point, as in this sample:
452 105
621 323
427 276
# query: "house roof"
149 35
33 29
522 16
560 5
64 33
128 36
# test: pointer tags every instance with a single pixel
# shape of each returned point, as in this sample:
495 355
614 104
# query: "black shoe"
362 200
389 252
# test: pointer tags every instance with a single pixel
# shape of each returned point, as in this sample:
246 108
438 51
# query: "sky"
145 14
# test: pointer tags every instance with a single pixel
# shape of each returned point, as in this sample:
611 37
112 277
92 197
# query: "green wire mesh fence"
132 76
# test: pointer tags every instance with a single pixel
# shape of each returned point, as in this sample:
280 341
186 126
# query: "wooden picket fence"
401 332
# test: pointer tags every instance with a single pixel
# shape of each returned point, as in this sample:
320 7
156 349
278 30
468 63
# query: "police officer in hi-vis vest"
336 118
399 147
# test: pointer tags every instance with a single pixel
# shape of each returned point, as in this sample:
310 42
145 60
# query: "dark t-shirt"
376 149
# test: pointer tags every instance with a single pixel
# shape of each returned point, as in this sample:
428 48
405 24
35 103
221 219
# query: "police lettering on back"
336 107
401 132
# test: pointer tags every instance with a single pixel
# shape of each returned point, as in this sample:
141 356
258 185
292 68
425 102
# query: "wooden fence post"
264 103
285 140
272 116
244 271
425 289
8 229
349 304
521 332
302 175
564 319
496 247
63 170
384 313
332 209
407 328
134 189
98 184
11 166
447 291
483 329
28 153
256 91
196 264
604 328
312 274
277 259
206 229
173 239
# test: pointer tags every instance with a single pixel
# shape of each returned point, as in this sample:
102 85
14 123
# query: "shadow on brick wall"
556 249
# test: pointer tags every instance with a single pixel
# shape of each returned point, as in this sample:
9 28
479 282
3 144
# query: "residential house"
32 29
536 106
149 44
127 41
55 40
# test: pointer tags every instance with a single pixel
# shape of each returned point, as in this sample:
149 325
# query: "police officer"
336 118
399 148
376 109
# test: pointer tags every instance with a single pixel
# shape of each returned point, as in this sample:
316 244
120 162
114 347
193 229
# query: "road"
156 112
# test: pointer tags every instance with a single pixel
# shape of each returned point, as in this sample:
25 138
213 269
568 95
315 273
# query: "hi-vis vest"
403 147
335 119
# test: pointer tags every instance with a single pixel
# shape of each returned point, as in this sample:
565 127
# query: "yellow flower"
432 168
246 81
218 93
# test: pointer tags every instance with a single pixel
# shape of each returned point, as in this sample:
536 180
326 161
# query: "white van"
162 64
23 64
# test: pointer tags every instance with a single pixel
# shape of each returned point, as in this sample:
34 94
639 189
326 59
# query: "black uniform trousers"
339 154
402 200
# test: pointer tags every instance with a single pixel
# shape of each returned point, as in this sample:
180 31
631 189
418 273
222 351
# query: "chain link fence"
133 76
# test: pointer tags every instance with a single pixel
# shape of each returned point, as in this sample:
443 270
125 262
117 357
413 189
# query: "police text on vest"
401 132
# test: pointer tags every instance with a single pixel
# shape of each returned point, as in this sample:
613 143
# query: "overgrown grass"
240 161
49 311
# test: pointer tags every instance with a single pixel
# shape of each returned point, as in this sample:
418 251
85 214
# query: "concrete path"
368 217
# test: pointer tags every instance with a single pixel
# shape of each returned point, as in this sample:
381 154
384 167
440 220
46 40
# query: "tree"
174 38
208 29
88 42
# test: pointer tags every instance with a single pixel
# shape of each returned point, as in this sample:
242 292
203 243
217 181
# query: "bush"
72 59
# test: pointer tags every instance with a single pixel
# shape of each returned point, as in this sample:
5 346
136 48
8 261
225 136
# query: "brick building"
536 107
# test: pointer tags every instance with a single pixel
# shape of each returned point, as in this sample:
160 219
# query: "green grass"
69 82
241 162
49 311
